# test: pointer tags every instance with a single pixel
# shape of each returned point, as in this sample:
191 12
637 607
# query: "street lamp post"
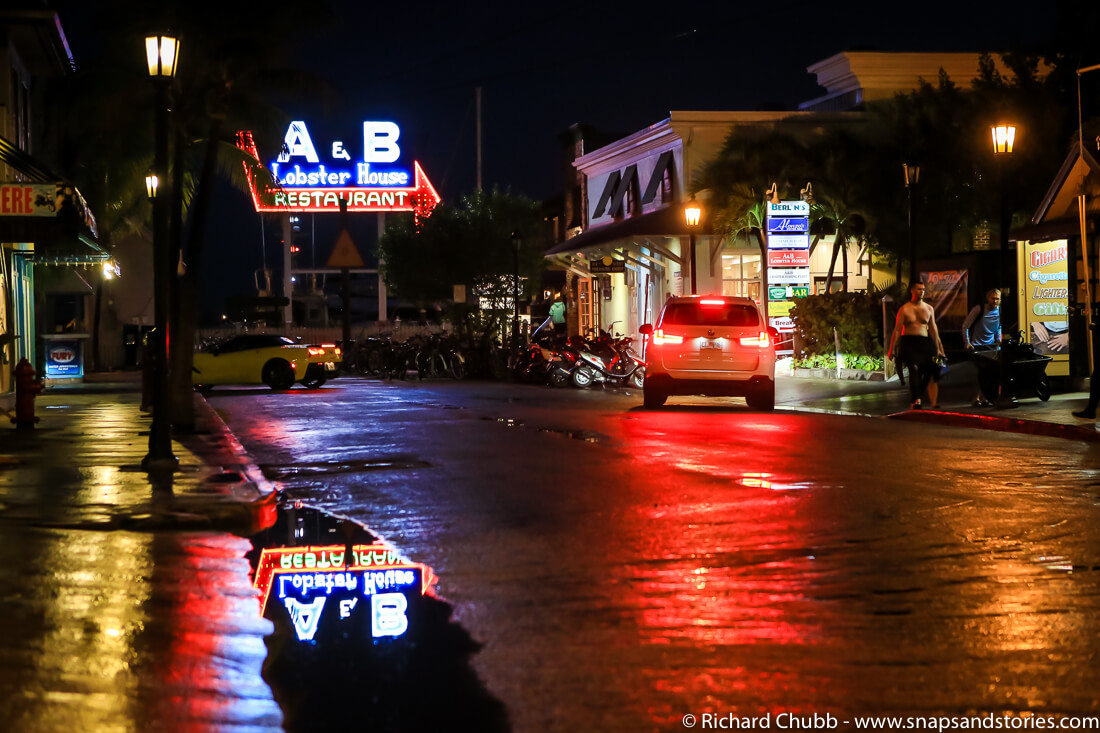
161 52
1004 136
912 177
517 242
692 213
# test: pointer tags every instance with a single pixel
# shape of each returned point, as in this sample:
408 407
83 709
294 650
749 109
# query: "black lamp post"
517 242
162 52
1004 136
692 213
912 177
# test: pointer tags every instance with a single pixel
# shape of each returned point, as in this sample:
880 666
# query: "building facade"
631 250
44 220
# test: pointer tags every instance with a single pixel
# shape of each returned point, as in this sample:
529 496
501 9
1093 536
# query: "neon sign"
370 580
298 180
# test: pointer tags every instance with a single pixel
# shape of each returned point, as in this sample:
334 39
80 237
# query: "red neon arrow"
268 195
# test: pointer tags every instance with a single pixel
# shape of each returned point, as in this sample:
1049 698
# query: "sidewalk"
957 389
129 599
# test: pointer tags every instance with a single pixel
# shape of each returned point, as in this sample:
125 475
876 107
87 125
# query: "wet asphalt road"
625 567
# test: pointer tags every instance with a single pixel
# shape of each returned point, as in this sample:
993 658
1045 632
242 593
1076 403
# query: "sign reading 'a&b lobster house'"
308 178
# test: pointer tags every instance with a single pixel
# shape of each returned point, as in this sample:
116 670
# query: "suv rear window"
693 314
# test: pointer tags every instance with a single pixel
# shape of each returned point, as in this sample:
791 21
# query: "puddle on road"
587 436
361 641
330 468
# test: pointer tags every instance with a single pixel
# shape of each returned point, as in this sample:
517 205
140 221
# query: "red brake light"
660 337
711 301
763 340
316 351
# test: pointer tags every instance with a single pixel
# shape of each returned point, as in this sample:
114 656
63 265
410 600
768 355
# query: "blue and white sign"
788 241
789 225
788 208
64 359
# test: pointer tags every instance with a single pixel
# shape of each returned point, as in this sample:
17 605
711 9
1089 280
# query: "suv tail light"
660 337
763 340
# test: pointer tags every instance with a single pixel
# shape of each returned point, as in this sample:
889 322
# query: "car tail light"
660 337
711 301
763 340
338 351
316 351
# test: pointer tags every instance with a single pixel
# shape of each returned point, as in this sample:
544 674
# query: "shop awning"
1064 228
47 212
668 222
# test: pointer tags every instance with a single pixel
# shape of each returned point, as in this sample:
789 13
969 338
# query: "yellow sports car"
256 358
324 364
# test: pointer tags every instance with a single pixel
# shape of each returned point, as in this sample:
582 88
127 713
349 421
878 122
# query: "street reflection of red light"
728 568
207 610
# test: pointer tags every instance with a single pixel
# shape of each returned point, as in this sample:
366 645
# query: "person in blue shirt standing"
981 332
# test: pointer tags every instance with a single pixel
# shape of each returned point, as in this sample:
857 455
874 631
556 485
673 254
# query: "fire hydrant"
26 389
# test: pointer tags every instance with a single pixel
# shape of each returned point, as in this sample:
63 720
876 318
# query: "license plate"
330 366
711 344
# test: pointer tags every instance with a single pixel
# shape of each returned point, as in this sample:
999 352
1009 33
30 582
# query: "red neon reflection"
277 561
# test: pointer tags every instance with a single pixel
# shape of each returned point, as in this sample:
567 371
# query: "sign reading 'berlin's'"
299 180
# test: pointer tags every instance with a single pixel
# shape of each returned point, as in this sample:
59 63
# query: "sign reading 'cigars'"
306 178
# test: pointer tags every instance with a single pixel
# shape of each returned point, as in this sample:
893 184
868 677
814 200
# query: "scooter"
618 366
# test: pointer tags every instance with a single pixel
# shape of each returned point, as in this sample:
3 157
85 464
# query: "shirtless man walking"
919 343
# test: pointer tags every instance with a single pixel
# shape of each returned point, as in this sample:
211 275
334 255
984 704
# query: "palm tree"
224 81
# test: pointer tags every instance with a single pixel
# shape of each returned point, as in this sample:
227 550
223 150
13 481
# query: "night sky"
542 66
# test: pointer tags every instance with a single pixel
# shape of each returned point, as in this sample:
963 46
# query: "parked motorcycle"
608 360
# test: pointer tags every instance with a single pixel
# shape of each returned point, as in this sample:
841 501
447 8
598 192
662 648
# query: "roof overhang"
667 222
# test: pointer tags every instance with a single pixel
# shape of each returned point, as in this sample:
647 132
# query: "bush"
857 318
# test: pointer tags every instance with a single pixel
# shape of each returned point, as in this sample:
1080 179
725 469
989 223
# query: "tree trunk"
840 241
813 245
184 334
762 243
844 264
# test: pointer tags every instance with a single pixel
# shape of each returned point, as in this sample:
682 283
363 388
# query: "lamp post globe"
912 177
162 55
517 243
1004 137
693 212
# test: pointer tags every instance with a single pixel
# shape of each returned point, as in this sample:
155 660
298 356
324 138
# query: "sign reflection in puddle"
360 638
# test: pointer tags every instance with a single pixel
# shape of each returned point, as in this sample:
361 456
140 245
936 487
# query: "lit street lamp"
162 53
1004 136
692 213
912 177
517 242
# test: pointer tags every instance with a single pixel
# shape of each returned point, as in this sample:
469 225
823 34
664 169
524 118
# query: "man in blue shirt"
981 331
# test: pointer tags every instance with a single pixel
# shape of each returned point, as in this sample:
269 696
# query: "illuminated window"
741 275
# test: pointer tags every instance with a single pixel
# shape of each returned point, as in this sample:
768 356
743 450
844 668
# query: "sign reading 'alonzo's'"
299 180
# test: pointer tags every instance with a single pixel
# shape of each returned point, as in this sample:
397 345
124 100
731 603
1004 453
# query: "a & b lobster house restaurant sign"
309 178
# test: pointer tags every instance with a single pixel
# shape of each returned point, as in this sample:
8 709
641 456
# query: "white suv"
710 345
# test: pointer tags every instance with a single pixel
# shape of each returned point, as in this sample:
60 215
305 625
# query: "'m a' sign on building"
365 170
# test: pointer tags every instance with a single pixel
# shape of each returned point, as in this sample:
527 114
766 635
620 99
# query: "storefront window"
741 275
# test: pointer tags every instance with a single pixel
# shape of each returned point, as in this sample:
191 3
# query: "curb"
1004 424
258 493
